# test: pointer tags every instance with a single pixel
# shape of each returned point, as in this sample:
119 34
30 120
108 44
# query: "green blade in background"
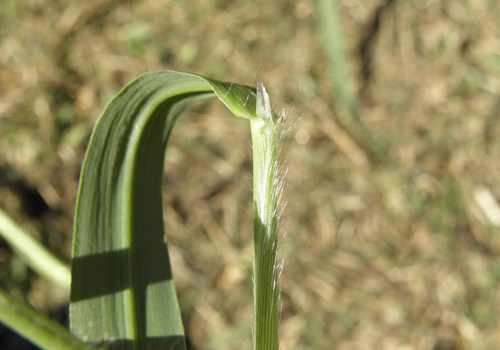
33 252
333 44
330 27
122 288
35 326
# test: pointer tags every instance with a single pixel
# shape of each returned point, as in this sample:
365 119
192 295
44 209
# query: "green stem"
265 133
34 253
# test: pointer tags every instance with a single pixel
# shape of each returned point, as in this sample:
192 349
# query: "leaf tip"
263 103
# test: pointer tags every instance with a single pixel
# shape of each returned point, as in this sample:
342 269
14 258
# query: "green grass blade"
33 253
122 287
35 326
334 47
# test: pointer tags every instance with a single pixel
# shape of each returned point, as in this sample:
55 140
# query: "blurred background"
392 226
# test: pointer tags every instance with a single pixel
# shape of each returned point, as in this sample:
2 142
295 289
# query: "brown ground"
390 244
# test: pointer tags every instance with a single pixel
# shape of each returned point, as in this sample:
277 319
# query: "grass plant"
122 289
393 250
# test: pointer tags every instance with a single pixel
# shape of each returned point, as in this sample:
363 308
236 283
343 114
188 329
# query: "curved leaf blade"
122 287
